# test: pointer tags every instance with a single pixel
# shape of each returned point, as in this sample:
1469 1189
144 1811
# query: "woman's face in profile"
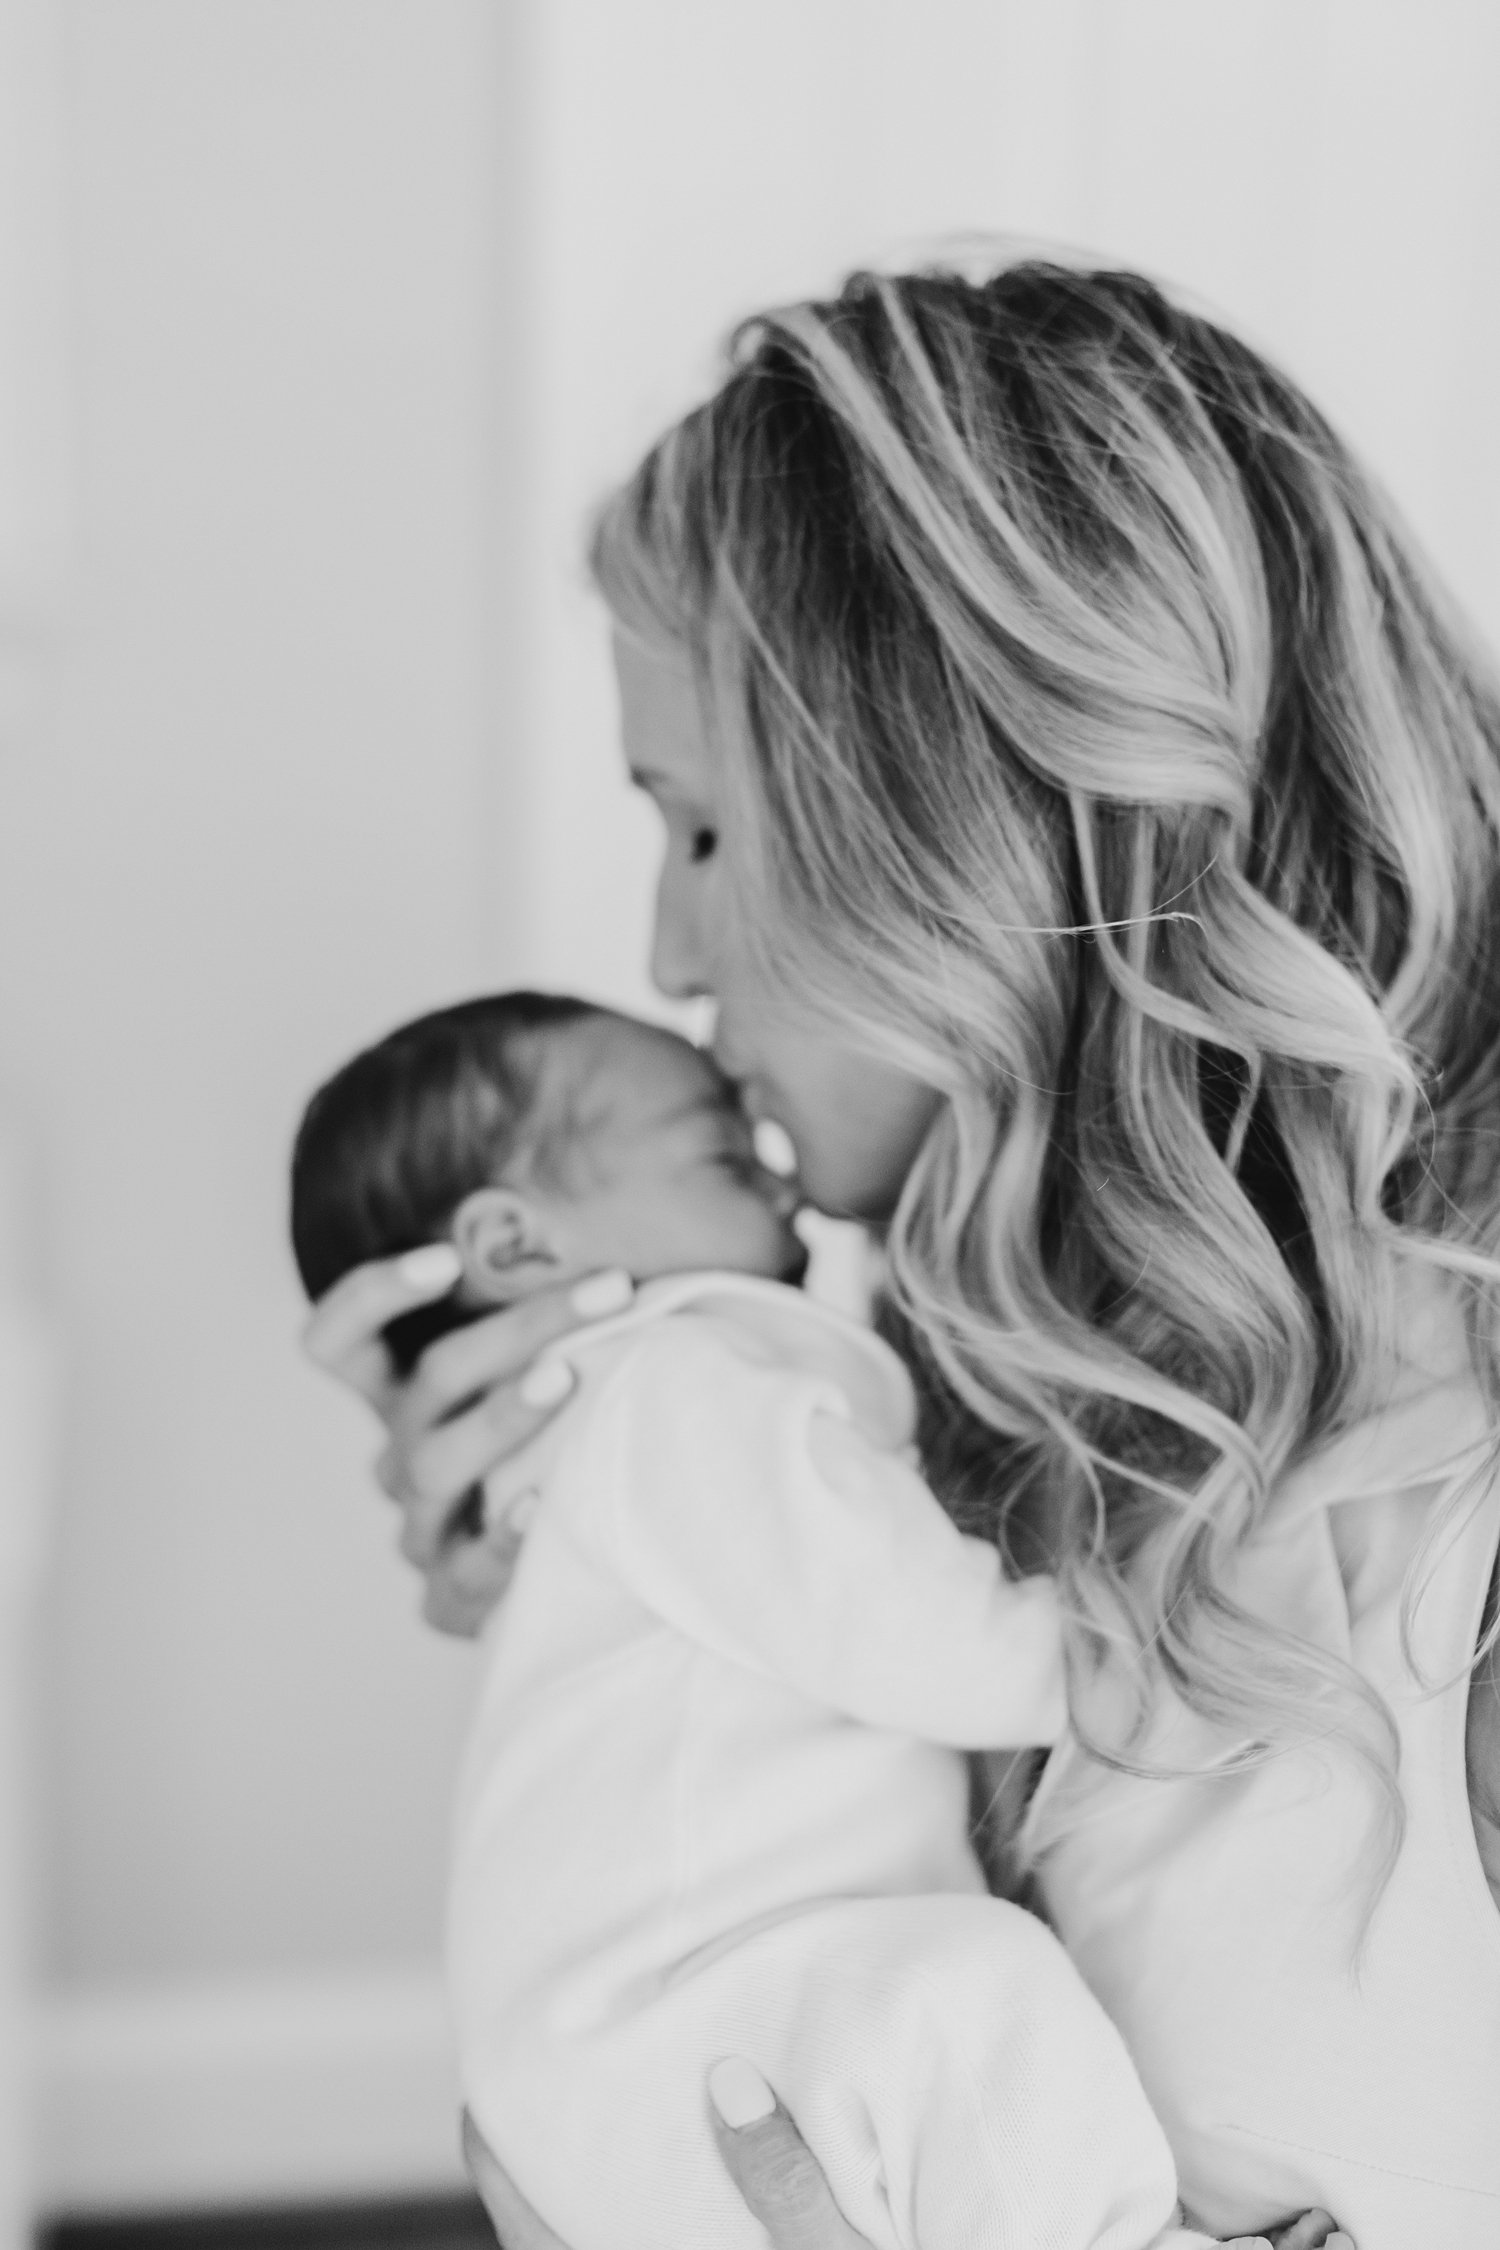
856 1124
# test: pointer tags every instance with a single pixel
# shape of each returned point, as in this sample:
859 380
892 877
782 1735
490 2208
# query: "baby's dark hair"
390 1146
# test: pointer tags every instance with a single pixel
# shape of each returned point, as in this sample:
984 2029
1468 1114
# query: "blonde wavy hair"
1097 744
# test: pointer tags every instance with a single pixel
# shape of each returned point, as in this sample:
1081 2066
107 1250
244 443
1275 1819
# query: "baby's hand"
462 1422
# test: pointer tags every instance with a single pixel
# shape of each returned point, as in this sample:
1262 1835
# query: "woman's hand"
768 2161
463 1422
772 2166
780 2179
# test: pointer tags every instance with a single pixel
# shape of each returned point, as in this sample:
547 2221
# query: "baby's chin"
789 1266
788 1263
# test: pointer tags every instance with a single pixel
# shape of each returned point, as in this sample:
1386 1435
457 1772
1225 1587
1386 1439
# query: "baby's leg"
960 2086
963 2088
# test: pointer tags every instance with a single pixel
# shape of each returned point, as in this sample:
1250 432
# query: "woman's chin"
826 1181
848 1201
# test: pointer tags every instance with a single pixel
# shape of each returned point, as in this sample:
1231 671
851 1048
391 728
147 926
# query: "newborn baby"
714 1800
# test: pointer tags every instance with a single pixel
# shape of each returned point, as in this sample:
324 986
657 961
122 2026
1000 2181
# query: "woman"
1084 805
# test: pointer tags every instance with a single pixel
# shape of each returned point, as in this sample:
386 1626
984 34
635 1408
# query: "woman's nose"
680 966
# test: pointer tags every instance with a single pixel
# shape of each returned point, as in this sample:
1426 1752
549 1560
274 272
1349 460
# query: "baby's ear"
503 1244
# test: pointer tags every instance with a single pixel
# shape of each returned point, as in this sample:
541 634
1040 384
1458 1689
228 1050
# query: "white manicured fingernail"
547 1383
774 1147
739 2093
436 1265
603 1293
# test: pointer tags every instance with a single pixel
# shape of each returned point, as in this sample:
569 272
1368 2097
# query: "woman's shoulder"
1386 1523
1431 1429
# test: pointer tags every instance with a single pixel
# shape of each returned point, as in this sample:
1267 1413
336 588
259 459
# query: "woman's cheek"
856 1145
856 1123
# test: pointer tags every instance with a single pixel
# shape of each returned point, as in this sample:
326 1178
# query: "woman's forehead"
661 718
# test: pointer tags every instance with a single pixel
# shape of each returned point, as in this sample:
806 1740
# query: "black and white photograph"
749 1125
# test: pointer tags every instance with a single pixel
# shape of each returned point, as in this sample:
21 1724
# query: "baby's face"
651 1165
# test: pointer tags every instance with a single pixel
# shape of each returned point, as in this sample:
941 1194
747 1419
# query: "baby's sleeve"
741 1503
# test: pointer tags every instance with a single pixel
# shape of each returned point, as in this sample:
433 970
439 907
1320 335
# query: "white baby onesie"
713 1803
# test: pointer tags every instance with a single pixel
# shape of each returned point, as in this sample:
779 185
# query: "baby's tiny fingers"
772 2166
471 1579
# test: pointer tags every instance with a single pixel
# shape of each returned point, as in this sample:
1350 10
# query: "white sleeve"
740 1503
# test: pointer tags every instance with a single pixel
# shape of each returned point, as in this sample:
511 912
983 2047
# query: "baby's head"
545 1139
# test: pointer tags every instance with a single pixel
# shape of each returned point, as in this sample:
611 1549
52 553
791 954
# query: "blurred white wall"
33 537
371 299
248 836
1325 172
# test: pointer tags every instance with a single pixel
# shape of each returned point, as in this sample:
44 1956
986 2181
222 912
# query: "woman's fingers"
498 1349
472 1407
464 1421
772 2166
511 2215
343 1332
432 1475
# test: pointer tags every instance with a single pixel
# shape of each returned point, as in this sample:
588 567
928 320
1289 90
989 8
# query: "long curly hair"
1096 742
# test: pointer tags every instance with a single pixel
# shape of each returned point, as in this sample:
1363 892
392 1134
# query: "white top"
1217 1919
711 1803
